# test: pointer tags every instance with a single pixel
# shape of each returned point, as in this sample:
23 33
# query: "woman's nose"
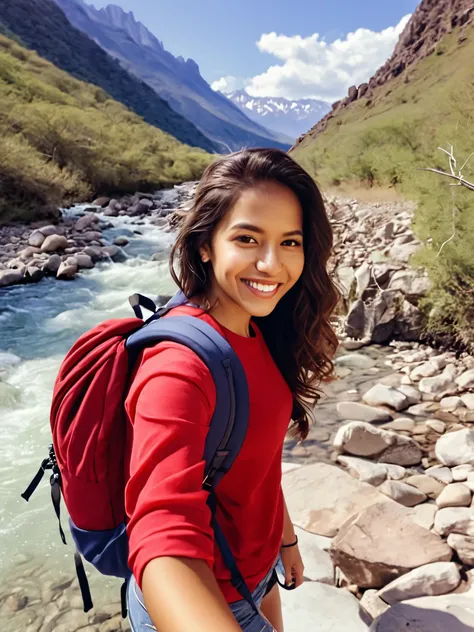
269 262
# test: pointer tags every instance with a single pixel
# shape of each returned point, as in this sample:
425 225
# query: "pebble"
362 412
456 448
402 423
440 473
464 547
436 425
460 472
364 470
454 495
404 494
454 520
426 484
382 395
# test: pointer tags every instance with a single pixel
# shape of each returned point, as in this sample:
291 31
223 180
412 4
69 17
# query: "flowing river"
38 324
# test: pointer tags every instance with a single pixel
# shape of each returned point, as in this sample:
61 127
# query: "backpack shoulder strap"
229 422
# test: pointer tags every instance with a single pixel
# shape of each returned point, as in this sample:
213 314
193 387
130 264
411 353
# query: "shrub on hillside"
62 140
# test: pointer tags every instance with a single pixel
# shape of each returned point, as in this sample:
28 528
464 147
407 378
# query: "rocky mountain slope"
387 132
42 26
291 117
432 20
174 79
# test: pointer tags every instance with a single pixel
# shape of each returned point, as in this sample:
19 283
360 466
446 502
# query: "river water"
38 324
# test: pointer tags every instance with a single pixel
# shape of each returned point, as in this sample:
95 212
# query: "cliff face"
430 22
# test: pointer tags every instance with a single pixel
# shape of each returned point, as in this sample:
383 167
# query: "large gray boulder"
382 543
362 439
322 497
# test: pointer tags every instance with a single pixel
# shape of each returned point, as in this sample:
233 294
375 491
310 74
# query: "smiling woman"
252 253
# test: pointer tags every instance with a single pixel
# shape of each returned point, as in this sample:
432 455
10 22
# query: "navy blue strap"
238 582
137 301
229 422
228 425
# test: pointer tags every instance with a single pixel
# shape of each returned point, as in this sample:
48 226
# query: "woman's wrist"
288 543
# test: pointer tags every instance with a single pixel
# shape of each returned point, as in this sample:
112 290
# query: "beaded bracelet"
287 546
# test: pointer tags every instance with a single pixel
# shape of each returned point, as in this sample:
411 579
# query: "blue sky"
264 45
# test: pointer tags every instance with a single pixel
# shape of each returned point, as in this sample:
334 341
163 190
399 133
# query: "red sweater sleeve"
170 404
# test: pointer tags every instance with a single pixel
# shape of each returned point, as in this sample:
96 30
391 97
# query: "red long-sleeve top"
170 405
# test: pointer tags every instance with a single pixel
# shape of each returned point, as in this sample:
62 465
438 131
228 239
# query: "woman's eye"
246 239
292 242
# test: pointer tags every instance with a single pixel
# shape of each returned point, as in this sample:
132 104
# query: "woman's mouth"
263 290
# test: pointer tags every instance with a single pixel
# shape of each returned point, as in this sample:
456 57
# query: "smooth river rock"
438 578
54 242
362 439
322 497
454 495
454 520
464 547
381 543
366 471
456 448
404 494
426 484
381 395
362 412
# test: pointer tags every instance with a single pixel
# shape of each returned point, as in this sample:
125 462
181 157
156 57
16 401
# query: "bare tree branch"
454 211
460 179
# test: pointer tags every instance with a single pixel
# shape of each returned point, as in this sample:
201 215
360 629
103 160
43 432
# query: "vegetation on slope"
63 140
387 140
42 26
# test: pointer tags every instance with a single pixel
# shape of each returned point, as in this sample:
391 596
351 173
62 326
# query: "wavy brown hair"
298 331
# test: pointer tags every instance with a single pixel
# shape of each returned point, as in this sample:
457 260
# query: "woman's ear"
205 254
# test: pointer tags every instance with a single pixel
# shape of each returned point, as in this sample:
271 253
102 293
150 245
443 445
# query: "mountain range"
292 117
176 80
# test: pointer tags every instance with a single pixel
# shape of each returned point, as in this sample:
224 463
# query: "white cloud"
315 68
229 83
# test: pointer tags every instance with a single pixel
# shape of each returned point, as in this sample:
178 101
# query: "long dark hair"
298 331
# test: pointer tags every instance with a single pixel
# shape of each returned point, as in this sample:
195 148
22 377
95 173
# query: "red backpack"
90 430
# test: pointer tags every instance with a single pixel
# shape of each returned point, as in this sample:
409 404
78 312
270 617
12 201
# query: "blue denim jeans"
246 617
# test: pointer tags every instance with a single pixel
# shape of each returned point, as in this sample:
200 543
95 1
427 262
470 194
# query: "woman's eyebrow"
257 229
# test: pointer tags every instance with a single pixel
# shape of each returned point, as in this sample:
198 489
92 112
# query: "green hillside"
63 140
386 139
42 26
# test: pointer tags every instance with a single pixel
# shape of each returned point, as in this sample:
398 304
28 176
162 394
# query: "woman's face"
256 251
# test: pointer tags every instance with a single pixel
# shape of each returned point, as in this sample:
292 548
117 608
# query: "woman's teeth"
260 286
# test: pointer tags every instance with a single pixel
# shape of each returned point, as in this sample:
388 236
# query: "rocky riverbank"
394 498
62 250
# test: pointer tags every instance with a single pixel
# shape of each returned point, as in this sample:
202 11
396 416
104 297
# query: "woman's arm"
291 556
171 540
182 594
288 529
